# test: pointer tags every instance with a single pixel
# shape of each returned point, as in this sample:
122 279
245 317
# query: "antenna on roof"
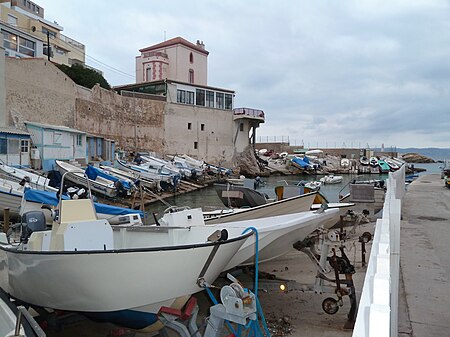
164 36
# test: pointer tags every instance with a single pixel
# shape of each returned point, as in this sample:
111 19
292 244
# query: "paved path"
424 309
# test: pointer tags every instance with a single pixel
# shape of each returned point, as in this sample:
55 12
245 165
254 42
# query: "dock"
424 259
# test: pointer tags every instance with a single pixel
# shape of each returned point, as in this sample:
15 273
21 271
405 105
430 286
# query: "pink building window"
191 58
149 73
191 76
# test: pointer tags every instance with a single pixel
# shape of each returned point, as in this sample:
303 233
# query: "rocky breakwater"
414 158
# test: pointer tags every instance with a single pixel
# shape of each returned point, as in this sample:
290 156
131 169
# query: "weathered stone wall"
134 123
37 91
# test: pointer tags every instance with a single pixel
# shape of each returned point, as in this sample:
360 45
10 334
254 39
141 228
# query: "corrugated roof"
55 127
13 131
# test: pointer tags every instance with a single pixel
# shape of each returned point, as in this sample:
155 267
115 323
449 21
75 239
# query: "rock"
416 158
247 163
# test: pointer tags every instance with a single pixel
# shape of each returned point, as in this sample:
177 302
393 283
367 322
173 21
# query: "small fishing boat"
364 160
392 164
33 200
373 161
239 196
295 204
133 176
345 163
100 185
331 179
159 173
88 257
34 180
383 166
11 193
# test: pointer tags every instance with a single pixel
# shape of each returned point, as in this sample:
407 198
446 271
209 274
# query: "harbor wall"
37 91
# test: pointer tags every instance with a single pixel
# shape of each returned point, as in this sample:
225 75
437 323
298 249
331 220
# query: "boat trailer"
326 241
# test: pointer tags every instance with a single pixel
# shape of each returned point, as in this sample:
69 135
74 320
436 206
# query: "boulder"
416 158
247 163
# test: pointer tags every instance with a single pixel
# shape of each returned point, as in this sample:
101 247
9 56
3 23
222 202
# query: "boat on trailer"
88 257
276 234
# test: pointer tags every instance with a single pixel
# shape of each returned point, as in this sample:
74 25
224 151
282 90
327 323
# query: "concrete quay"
424 259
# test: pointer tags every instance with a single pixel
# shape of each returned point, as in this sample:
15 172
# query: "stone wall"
135 124
36 90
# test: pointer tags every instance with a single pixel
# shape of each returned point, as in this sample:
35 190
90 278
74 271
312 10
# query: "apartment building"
26 33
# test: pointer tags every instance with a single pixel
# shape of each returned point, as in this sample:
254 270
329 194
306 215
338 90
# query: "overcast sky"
326 73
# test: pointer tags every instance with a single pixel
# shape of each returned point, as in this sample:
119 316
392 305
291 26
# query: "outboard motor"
33 221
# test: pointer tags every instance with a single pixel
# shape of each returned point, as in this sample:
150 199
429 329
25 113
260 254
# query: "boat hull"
108 190
277 236
300 203
109 281
239 196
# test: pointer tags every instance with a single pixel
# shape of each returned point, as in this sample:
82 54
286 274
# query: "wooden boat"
84 264
276 234
239 196
100 185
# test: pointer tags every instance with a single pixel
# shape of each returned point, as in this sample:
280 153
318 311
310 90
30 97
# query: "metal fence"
378 306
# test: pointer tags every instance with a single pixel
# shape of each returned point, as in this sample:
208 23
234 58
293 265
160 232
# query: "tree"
84 76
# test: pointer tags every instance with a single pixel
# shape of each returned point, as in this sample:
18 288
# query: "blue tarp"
49 198
93 172
301 162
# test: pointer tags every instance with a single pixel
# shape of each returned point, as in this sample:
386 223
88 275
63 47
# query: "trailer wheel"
330 306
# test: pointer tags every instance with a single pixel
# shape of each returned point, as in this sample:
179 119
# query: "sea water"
206 198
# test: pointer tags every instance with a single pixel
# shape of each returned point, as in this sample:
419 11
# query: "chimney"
200 44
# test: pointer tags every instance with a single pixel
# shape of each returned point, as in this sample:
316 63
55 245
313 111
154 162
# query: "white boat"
373 161
392 164
276 234
148 172
331 179
33 200
123 273
151 161
312 185
100 185
10 314
11 193
35 180
296 204
364 160
134 176
345 162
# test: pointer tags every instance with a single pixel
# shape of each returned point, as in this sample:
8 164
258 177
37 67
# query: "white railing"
378 306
